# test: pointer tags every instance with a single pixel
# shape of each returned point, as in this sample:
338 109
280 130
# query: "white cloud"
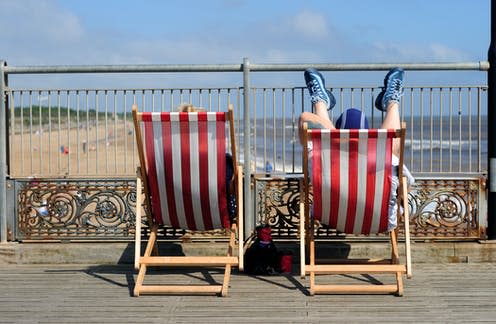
46 33
311 24
434 52
445 53
38 32
39 20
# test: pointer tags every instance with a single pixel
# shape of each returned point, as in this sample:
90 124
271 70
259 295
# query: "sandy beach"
98 150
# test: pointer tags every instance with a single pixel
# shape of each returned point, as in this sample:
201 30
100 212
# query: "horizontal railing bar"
140 68
449 176
478 66
215 89
203 90
153 68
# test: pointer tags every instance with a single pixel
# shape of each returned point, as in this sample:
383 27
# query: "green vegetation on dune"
43 115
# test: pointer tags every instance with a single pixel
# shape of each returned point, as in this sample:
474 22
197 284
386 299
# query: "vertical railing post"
249 220
491 128
3 154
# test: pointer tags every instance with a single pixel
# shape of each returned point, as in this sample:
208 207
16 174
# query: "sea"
433 144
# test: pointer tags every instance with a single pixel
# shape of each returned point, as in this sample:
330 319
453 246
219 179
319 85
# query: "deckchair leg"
302 230
395 259
406 221
139 280
142 267
312 256
137 242
227 278
399 280
227 272
309 234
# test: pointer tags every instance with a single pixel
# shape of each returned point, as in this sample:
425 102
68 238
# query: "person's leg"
389 100
392 119
322 101
319 119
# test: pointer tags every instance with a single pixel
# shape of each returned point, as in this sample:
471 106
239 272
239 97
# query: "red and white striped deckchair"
350 173
183 176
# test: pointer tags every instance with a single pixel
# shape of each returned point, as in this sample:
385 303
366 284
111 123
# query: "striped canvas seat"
352 179
186 167
349 173
182 183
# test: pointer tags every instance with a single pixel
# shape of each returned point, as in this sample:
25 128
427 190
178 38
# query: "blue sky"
51 32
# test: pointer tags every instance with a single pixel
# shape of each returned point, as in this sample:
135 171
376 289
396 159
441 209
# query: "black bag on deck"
262 257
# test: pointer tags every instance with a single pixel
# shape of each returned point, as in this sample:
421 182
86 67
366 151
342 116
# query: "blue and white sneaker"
393 89
316 87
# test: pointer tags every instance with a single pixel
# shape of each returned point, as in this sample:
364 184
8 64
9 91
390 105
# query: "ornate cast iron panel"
438 208
93 209
445 209
80 209
277 204
86 209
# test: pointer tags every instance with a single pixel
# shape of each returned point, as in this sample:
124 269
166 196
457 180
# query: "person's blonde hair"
188 107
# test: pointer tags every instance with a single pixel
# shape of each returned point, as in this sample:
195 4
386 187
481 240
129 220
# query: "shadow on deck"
445 292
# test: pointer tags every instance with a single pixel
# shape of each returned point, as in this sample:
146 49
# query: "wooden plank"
318 289
355 268
168 289
182 261
353 261
438 293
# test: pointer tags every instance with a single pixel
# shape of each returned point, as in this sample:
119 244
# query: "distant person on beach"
388 100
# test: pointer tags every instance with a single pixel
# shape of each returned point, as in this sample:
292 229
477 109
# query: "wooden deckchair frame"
391 265
151 258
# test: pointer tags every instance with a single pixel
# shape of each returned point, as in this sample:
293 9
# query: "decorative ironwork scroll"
81 209
445 209
76 209
104 209
278 205
438 208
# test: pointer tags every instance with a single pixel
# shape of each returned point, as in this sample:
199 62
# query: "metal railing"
87 133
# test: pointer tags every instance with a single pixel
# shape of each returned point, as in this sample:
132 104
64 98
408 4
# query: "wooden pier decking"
438 293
